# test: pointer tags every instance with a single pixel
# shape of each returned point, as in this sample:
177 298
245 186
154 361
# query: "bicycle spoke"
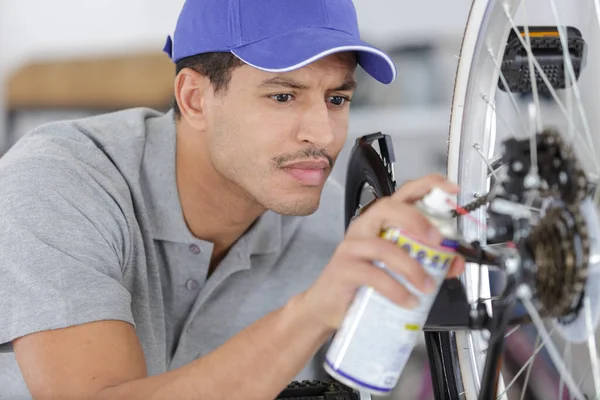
582 380
532 78
513 330
572 78
569 79
518 374
549 85
570 135
591 343
503 120
547 341
477 148
597 10
534 129
513 101
567 357
528 374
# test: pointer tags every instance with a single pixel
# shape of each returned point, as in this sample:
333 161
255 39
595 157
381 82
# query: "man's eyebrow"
348 85
284 82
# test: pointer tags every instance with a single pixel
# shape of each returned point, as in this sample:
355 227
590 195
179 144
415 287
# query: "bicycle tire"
365 166
451 347
442 347
317 390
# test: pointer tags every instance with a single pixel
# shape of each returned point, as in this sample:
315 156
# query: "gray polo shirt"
91 228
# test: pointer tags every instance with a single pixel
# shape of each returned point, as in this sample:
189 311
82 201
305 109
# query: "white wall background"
61 28
58 28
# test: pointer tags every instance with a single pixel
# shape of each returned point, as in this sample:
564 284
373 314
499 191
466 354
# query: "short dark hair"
217 67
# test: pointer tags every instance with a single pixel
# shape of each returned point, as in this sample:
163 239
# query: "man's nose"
316 126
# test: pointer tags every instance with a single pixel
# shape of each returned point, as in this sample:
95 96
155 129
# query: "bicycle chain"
561 265
474 205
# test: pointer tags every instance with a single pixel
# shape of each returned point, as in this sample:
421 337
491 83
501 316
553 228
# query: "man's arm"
104 360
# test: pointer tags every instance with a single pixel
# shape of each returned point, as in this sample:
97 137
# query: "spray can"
372 346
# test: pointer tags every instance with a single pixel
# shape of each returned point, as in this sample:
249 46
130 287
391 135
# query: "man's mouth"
309 172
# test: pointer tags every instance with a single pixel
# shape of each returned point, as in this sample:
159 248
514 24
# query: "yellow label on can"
437 258
411 327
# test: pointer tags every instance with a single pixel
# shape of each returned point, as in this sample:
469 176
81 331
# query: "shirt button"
191 285
194 248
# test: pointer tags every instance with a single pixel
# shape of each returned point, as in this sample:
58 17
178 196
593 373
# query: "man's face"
276 136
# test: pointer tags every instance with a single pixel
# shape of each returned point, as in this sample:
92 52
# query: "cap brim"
301 47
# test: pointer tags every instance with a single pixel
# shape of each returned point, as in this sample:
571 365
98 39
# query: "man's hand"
352 264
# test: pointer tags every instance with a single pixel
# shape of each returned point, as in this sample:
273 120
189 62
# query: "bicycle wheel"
496 98
369 175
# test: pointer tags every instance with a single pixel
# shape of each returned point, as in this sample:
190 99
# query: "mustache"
304 155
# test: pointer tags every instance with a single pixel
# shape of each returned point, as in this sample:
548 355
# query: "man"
199 254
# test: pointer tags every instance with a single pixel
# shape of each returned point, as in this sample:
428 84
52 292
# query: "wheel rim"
471 345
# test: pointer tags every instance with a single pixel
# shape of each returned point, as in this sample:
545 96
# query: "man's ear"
190 89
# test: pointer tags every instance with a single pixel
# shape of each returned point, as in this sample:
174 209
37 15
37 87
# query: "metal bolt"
474 313
512 265
562 177
531 181
517 166
523 291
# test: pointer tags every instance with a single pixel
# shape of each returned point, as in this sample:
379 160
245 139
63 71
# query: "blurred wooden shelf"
137 80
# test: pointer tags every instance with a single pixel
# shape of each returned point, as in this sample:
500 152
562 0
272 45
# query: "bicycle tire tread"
317 390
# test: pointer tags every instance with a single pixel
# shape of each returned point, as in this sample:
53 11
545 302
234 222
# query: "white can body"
376 339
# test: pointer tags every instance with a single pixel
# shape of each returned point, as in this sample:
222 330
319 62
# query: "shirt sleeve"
62 247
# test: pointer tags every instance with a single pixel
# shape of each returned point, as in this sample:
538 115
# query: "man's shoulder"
99 130
100 142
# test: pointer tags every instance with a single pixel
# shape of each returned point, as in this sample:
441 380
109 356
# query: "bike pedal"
547 49
317 390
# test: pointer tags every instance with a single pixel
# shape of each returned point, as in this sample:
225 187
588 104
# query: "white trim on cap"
326 53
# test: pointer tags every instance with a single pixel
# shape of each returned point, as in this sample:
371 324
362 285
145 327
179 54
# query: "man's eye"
282 98
338 100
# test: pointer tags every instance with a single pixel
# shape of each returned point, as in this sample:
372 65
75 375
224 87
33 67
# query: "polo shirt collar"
162 196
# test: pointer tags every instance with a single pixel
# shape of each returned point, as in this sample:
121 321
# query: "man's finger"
392 214
415 190
457 267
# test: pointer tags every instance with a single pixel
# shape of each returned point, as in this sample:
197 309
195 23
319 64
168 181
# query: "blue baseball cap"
275 35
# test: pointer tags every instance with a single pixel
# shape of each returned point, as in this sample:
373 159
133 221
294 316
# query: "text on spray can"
377 336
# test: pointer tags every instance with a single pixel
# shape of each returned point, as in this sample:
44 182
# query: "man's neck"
214 209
